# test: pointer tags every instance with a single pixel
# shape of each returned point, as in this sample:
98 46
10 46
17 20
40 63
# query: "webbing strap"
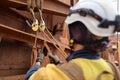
100 75
39 4
72 70
115 70
30 4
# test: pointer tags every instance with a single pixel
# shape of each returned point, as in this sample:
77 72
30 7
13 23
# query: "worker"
90 22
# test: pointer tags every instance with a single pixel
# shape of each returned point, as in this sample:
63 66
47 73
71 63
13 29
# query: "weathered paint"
17 39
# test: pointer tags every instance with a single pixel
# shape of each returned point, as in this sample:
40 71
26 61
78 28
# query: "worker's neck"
77 47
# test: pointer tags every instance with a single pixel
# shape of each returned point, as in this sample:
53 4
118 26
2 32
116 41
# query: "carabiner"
42 22
35 23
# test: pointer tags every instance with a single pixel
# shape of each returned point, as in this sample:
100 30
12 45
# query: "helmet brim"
90 23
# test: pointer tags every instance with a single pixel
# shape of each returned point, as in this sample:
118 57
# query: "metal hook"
42 22
35 23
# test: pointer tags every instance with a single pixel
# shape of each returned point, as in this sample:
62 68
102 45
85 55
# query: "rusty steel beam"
13 3
65 2
68 2
16 34
23 36
0 38
15 77
56 7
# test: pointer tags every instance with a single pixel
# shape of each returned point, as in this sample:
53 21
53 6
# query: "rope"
34 51
30 4
60 50
39 7
33 14
31 7
43 28
56 42
39 4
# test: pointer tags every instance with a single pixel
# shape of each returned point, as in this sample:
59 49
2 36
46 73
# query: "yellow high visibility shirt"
91 70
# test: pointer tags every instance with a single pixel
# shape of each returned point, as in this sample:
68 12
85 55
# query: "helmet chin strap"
104 23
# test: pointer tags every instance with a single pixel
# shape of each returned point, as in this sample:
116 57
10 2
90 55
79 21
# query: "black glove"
55 59
40 57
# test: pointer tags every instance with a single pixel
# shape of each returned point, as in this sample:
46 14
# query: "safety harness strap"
100 75
72 70
115 70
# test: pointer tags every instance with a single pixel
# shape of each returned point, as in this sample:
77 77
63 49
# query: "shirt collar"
84 54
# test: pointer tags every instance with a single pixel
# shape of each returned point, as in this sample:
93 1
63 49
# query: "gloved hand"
40 57
55 59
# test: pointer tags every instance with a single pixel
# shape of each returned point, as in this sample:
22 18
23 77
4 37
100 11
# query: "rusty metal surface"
14 57
17 39
11 23
15 77
23 36
54 7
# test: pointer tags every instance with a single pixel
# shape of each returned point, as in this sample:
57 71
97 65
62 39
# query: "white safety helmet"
101 9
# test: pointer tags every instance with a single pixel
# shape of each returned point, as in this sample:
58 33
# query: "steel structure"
17 38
